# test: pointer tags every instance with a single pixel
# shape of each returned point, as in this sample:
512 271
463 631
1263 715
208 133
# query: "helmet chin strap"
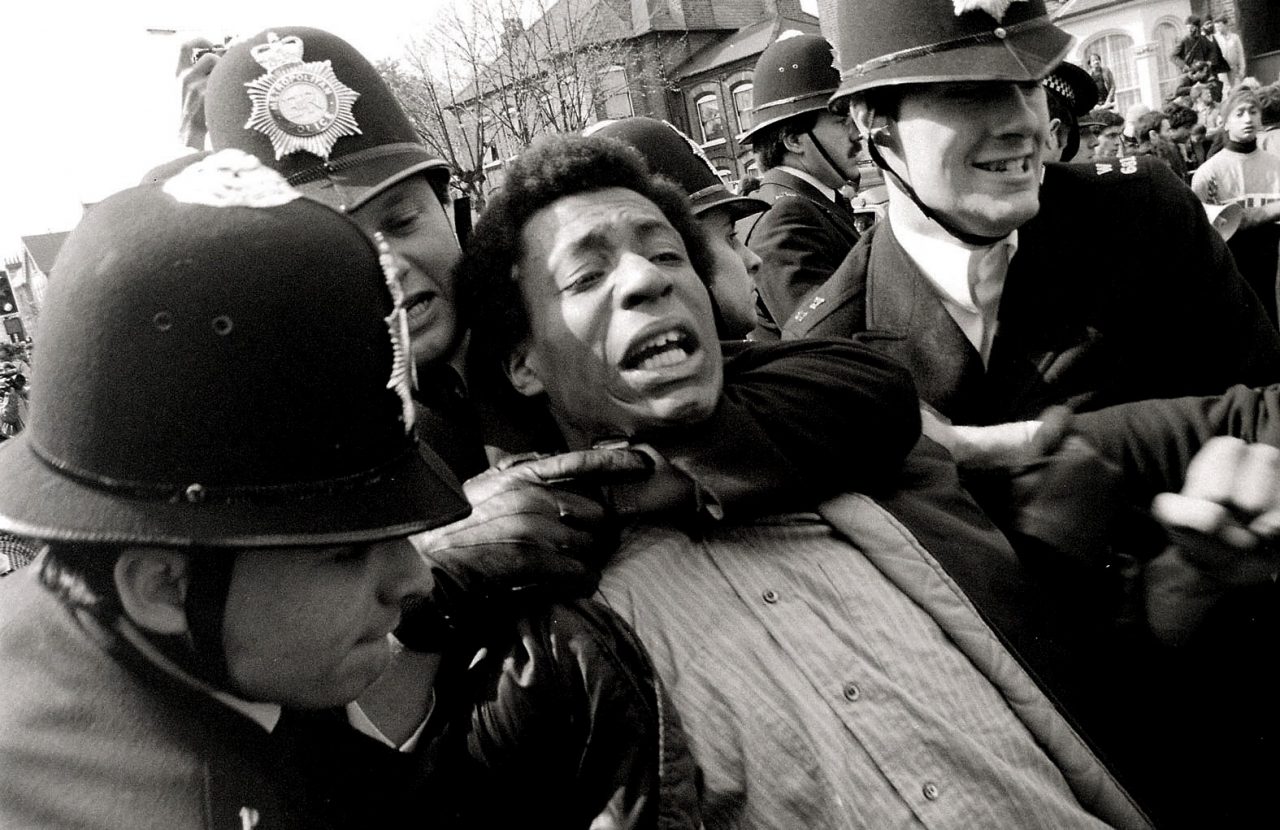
946 224
822 151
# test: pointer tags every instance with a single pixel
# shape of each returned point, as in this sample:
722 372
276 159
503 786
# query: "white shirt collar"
361 723
945 262
829 192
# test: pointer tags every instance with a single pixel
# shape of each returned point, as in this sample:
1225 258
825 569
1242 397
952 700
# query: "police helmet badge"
995 8
298 105
404 377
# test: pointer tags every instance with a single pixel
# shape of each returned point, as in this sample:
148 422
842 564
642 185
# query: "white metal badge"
404 374
299 106
995 8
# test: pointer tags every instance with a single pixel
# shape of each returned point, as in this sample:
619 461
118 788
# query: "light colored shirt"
816 694
1252 178
969 279
1232 49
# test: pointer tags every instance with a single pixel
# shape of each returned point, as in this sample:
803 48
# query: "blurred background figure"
1129 135
196 59
1269 109
1232 52
1151 132
13 410
1179 119
1103 81
1197 58
1205 105
1100 135
1242 173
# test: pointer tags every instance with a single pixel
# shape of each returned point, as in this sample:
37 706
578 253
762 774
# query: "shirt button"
931 791
770 596
851 692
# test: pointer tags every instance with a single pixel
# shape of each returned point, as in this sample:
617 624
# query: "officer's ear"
791 140
524 369
152 584
1058 133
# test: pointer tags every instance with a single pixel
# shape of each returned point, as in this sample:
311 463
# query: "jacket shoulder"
1130 172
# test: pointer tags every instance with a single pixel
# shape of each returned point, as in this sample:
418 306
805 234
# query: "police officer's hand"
538 529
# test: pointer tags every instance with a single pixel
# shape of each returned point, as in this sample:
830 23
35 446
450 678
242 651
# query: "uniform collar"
829 192
943 259
266 715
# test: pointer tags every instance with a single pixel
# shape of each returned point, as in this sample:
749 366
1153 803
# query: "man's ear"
793 141
1058 133
152 584
523 372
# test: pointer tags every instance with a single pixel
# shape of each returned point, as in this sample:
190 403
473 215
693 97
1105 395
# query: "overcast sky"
89 99
88 94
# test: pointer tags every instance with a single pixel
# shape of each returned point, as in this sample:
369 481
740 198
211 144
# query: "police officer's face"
972 151
621 332
840 147
736 268
308 627
416 228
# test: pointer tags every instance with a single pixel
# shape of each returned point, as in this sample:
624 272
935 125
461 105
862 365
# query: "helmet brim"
739 207
407 496
777 113
349 183
1025 55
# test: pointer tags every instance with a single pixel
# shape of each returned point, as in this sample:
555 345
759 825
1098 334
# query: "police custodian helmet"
672 154
793 76
222 364
880 43
308 104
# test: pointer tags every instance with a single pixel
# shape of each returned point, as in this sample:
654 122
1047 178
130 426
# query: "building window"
742 105
1116 51
1167 35
617 96
708 106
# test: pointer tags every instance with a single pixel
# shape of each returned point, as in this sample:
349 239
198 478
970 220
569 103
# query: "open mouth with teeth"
1021 164
420 309
660 351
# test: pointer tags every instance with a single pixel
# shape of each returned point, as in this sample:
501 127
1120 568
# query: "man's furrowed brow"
602 239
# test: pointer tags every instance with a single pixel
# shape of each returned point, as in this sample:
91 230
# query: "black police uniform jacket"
1120 291
1130 453
562 716
802 238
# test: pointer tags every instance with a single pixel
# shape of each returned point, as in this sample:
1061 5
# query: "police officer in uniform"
225 541
975 281
1070 94
807 157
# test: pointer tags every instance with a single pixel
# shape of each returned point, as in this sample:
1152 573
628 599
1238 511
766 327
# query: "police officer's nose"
401 571
1021 109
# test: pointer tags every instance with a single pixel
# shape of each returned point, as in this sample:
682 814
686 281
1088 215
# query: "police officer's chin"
999 218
